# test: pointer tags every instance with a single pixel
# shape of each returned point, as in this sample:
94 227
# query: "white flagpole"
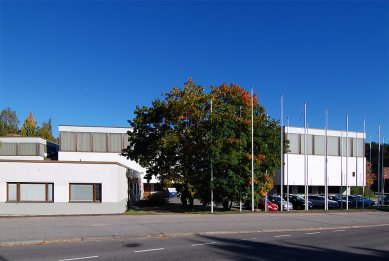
305 157
287 168
370 169
382 172
364 164
379 165
325 166
356 169
341 171
252 149
347 148
282 153
211 162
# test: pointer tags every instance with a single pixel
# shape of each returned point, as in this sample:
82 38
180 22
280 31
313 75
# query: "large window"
333 146
68 141
309 144
294 143
115 142
99 142
85 192
84 142
30 192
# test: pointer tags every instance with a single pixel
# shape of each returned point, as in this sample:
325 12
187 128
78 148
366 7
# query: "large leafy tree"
8 122
178 138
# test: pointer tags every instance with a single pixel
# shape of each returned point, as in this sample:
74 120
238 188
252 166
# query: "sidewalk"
29 230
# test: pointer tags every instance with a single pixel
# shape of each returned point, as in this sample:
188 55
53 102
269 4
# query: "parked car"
385 199
368 202
298 202
280 201
319 201
270 205
341 201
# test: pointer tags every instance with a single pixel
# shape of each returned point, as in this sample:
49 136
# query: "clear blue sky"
92 62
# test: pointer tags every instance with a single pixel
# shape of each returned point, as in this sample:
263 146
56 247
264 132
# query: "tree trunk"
225 204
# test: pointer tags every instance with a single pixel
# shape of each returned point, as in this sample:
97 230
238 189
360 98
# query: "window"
30 192
68 141
333 146
83 142
99 142
294 143
309 144
115 142
319 142
27 149
357 145
8 149
85 192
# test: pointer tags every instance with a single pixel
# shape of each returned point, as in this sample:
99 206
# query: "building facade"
346 165
84 174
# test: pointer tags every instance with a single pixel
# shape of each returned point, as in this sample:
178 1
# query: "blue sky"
92 62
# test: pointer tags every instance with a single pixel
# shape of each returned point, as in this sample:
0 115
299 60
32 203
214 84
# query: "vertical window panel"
294 143
333 146
83 142
68 141
99 142
27 149
115 142
8 149
309 144
319 143
12 192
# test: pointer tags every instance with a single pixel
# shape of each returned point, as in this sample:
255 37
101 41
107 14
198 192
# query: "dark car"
298 202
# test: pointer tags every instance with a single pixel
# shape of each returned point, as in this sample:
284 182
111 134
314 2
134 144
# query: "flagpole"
356 169
305 157
287 169
341 171
382 172
211 162
252 149
370 169
347 148
325 165
379 164
282 153
364 164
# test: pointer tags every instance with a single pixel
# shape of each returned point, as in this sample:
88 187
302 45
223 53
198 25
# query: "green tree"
29 127
177 137
8 122
46 132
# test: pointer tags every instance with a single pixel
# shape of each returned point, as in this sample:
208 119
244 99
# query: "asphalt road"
331 244
30 230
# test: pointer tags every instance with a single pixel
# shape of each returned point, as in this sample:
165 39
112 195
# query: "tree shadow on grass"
237 249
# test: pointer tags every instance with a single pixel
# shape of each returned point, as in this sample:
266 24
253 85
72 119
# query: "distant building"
315 161
84 174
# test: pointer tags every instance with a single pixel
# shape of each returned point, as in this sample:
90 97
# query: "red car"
270 205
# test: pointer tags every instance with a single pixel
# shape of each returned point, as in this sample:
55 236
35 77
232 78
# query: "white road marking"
148 250
248 239
79 258
312 233
283 236
210 243
340 230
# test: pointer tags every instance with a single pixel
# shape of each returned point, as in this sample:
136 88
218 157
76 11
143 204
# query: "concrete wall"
112 177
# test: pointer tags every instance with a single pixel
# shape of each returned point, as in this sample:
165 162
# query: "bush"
155 199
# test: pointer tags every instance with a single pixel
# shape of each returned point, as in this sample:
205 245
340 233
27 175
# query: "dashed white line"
339 230
79 258
283 236
312 233
210 243
148 250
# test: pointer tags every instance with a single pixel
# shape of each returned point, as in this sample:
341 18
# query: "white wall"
294 165
112 176
104 157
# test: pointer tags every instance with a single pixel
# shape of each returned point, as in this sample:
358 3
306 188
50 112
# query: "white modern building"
346 165
84 174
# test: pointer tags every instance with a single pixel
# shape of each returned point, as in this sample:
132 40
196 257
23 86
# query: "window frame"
31 201
94 193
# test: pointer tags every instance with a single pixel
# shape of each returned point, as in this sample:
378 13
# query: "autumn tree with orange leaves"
178 137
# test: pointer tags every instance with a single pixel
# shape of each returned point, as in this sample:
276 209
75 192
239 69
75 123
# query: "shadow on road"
251 250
